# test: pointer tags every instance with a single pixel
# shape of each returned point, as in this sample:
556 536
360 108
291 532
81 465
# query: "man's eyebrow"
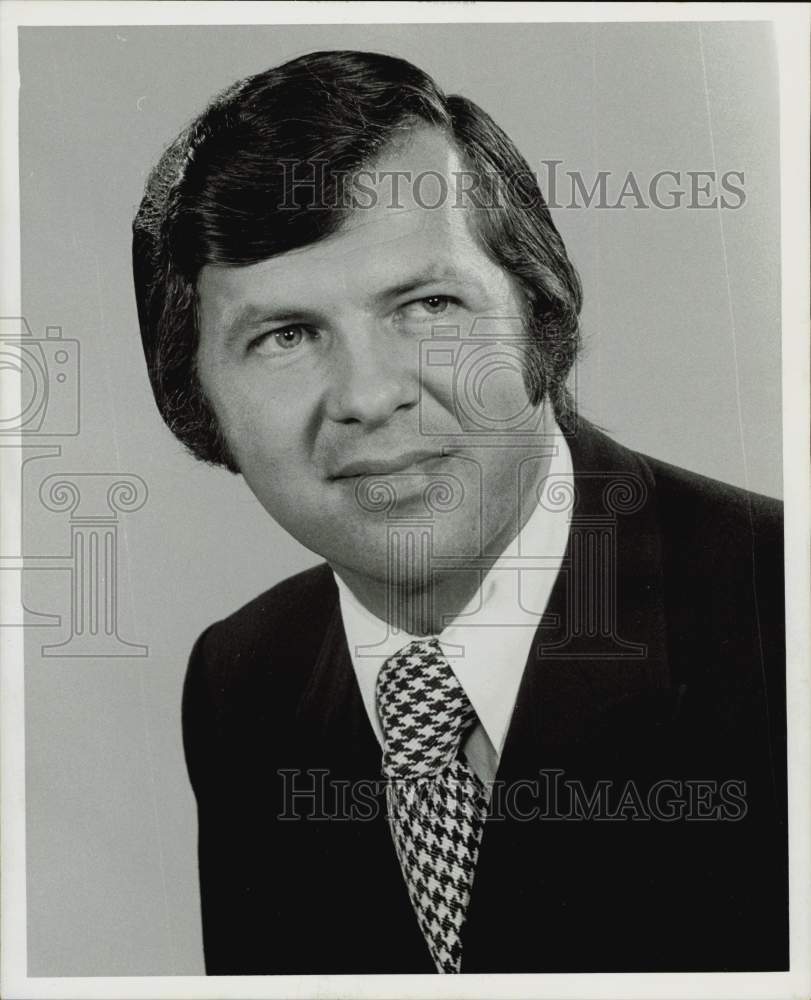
427 276
254 314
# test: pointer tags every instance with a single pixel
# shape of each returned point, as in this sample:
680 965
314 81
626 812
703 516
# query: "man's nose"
373 374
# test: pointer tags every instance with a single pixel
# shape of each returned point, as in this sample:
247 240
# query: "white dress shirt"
487 644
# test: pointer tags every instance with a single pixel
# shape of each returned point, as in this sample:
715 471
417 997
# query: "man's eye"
291 337
431 305
278 341
436 304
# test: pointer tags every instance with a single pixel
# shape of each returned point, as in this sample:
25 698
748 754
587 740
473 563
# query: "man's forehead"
422 149
407 194
399 232
371 251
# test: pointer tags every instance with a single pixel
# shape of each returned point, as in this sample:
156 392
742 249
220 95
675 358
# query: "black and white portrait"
396 416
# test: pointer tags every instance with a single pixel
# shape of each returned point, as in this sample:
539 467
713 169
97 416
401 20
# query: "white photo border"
791 23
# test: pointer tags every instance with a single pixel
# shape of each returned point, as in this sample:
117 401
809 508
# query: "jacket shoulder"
276 634
287 607
690 505
722 550
715 513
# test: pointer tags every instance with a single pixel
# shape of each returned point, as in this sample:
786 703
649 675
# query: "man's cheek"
437 408
262 436
282 483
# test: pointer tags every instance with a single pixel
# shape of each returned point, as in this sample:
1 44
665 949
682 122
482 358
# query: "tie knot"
423 711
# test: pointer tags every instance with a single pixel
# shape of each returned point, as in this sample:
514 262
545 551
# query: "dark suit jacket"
660 659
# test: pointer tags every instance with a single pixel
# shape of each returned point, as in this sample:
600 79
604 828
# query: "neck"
416 607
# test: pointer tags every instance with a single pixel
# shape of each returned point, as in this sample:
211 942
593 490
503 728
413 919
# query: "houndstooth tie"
436 803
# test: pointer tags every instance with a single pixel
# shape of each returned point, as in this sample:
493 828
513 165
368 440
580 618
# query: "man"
529 715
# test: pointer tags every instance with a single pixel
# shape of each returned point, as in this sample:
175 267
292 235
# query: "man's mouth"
407 461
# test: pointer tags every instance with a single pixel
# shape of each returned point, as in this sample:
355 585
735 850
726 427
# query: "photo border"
791 23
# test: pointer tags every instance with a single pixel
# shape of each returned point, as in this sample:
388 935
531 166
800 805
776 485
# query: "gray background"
682 360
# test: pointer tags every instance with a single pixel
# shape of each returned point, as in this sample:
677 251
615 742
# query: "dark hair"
221 194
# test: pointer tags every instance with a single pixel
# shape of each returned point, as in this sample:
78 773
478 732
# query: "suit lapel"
331 710
606 641
352 863
596 682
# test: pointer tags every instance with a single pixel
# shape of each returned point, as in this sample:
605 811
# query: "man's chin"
404 554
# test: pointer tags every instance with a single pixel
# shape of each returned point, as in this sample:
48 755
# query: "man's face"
336 415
